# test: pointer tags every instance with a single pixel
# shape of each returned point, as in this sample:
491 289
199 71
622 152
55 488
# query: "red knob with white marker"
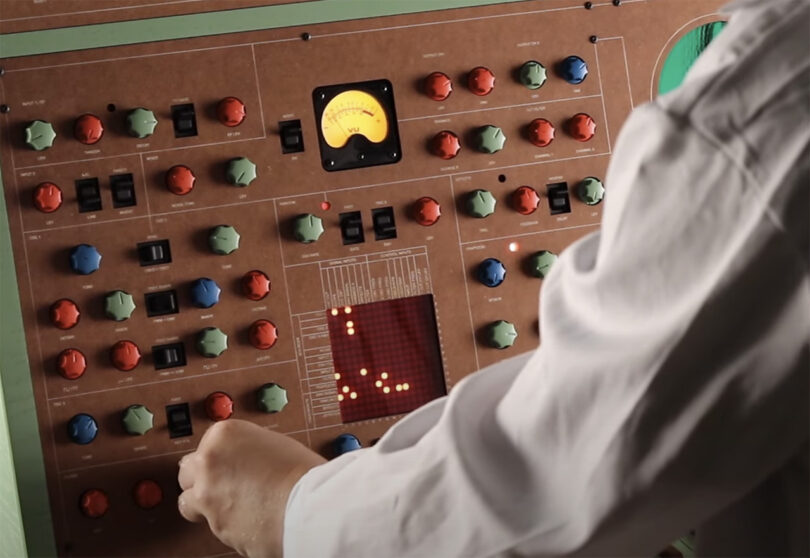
541 132
445 145
426 211
525 200
88 129
218 406
65 313
231 111
71 364
437 86
180 180
481 81
125 355
47 197
263 334
582 127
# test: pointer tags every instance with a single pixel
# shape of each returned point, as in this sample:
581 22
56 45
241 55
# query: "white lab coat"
671 388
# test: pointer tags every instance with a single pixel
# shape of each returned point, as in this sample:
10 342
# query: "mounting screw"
4 108
617 2
588 5
593 38
306 36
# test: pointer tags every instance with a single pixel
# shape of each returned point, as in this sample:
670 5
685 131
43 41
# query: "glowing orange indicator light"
363 372
514 246
350 331
405 386
348 309
353 395
334 311
378 383
399 387
340 397
345 389
326 206
350 324
337 375
384 375
386 389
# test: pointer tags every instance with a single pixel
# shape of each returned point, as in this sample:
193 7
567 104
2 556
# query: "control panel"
315 228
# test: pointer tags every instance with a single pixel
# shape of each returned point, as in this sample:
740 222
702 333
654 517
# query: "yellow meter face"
353 112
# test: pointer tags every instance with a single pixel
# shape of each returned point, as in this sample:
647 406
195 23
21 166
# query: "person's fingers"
189 506
187 471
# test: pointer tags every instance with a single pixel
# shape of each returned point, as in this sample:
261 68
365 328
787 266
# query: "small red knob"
71 364
426 211
88 129
218 406
481 81
65 313
231 111
147 494
581 127
94 503
437 86
445 144
180 180
263 334
125 355
255 284
525 200
541 132
47 197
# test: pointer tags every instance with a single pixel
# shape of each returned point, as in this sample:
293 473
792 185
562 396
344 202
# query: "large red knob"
218 406
437 86
263 334
94 503
65 313
88 129
525 200
581 127
71 364
541 132
180 180
445 144
147 494
255 284
125 355
481 81
47 197
426 211
231 111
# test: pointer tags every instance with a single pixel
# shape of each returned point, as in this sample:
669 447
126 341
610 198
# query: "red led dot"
326 206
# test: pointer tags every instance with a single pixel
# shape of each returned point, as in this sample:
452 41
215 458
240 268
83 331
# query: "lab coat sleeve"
671 379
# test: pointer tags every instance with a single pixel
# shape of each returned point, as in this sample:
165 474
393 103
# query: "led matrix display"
386 356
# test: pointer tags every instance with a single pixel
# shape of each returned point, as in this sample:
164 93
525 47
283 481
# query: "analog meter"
357 125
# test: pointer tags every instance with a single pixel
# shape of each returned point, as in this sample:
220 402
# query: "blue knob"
82 429
574 70
84 259
491 272
204 292
346 443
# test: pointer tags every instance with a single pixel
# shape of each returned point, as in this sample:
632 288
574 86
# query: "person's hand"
239 480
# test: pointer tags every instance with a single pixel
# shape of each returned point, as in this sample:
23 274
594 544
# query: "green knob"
501 334
39 135
138 420
533 74
241 171
223 239
490 139
541 262
591 190
307 228
119 305
212 342
272 398
481 203
141 122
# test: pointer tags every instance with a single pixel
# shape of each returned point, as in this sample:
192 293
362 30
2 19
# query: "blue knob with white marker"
82 429
346 443
574 70
491 272
85 259
205 292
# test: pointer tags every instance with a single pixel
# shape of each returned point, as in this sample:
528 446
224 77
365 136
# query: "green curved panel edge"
684 54
26 518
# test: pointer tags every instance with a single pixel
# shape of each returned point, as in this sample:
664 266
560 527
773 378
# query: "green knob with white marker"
591 190
137 420
272 398
241 171
141 122
39 135
501 334
541 262
212 342
307 228
490 139
481 203
223 240
533 74
119 305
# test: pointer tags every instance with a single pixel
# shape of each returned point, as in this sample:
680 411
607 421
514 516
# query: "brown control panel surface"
315 235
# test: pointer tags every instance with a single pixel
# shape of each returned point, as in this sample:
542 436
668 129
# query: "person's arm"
672 378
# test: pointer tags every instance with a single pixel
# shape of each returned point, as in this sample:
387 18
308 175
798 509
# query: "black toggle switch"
161 303
292 139
88 195
384 226
558 200
351 227
185 120
154 253
123 190
169 356
178 418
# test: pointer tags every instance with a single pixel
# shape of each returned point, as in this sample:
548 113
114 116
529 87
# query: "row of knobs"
141 123
491 139
125 355
481 81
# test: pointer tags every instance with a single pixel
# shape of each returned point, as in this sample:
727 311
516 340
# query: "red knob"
445 144
437 86
426 211
71 364
94 503
255 285
218 406
525 200
125 355
481 81
581 127
65 313
263 334
47 197
88 129
180 180
541 132
147 494
231 111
